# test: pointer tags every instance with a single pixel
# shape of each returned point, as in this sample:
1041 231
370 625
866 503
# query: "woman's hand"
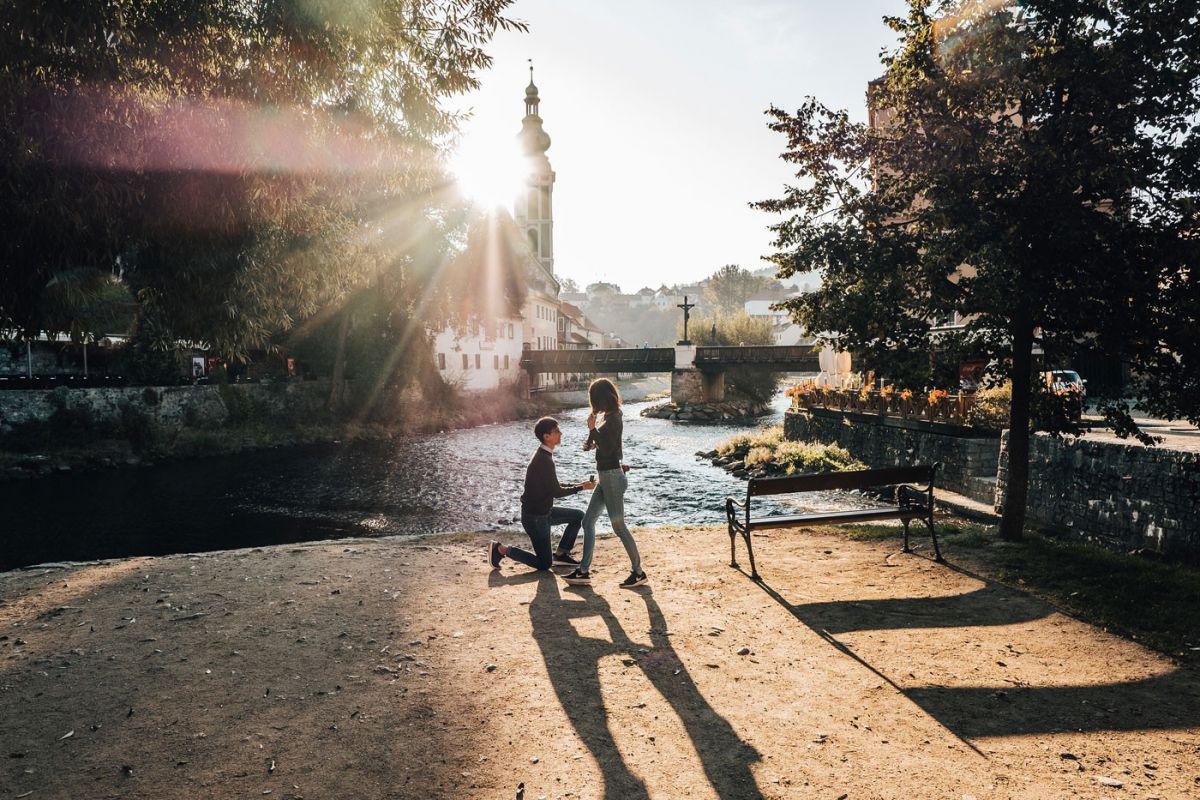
591 422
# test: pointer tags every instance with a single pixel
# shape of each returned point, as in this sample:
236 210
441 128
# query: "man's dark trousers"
538 527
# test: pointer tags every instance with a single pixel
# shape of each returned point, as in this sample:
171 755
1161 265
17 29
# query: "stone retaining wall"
969 458
1125 496
170 406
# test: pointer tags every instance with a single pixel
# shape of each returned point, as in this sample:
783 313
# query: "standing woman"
605 438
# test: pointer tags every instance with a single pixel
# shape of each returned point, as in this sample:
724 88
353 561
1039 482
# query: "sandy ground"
385 669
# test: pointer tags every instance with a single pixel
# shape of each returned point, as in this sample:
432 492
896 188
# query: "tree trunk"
1012 523
337 384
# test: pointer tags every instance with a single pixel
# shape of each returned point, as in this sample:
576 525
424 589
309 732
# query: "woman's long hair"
603 396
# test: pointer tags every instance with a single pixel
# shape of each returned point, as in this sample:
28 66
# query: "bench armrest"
731 515
908 495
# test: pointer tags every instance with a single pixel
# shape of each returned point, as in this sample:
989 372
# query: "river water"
462 480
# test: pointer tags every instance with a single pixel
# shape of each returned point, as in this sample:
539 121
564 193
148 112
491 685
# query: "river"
461 480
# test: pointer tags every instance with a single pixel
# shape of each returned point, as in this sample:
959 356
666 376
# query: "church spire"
534 210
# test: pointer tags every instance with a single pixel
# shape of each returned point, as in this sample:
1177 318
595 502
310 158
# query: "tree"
1033 170
727 290
238 165
569 285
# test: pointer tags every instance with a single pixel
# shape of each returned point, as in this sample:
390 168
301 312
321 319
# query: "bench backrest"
853 479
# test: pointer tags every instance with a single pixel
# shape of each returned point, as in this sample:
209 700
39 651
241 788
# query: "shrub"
813 457
992 408
760 455
737 442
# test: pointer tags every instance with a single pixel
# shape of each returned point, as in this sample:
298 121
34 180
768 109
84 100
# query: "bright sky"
654 110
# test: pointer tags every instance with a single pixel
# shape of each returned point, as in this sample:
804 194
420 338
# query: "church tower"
534 213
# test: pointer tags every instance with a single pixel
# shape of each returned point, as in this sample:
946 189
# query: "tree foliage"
727 290
1031 169
240 165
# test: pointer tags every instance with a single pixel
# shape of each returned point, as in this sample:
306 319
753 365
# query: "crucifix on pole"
686 306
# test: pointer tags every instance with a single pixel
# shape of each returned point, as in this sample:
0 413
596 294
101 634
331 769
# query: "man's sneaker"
565 558
634 579
494 555
578 578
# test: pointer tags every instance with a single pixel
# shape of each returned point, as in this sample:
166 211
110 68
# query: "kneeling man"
538 512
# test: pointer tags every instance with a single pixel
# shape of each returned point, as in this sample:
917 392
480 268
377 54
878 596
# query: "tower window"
441 360
533 241
477 361
466 361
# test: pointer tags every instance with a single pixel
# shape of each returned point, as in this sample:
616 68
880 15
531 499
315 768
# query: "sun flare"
489 173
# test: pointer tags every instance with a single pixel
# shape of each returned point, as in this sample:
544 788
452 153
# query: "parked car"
1059 381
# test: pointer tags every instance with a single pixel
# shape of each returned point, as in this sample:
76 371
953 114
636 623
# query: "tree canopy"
727 290
1030 169
237 165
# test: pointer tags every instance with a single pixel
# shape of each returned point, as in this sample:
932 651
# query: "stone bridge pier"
692 386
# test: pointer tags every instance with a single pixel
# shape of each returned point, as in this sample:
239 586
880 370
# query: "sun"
488 172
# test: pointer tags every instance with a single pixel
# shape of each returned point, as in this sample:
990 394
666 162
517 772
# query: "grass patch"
1156 604
767 447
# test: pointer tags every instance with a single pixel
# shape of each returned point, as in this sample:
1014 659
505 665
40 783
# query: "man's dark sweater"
541 484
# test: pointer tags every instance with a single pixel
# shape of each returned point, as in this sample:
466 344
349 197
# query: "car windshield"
1066 376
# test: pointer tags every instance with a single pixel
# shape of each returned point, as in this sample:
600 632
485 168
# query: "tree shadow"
1163 702
573 661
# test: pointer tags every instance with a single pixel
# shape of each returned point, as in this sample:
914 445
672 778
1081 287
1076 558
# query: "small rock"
490 667
629 662
743 651
1104 780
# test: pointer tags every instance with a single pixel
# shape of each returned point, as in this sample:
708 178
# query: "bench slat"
855 479
836 517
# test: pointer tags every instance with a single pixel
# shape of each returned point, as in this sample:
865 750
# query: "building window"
533 241
510 330
441 360
466 361
506 362
477 361
495 362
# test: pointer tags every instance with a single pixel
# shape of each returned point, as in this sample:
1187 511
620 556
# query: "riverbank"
70 440
386 668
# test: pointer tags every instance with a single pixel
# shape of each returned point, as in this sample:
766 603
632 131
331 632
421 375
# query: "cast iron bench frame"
910 503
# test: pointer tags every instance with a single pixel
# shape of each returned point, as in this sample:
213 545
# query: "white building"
480 358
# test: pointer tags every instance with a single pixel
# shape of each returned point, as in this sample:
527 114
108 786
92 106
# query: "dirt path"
382 669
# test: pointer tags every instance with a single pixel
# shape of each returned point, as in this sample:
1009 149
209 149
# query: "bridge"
697 373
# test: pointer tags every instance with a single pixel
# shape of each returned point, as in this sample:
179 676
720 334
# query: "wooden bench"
910 503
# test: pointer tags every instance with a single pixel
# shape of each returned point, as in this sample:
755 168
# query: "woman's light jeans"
609 495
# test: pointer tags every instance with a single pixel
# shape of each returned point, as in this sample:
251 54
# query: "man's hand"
588 485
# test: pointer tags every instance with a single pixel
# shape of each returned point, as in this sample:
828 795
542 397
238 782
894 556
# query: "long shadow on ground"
726 759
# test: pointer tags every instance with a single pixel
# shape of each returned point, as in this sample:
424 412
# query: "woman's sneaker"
634 579
578 578
494 555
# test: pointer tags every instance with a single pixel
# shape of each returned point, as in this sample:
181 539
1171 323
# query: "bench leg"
750 551
907 549
732 547
937 551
